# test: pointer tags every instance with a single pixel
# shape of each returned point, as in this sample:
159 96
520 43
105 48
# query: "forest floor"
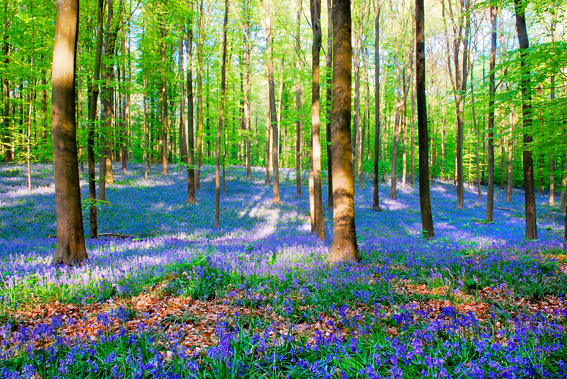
168 296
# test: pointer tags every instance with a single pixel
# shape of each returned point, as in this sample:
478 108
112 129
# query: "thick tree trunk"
344 246
376 179
190 131
70 247
221 116
146 135
424 194
529 190
491 94
315 109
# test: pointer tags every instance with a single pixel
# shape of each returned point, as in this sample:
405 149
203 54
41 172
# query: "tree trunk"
478 189
200 107
502 160
412 139
364 122
315 109
272 100
491 95
164 99
107 106
329 62
93 99
529 191
190 131
182 126
70 238
247 69
510 173
221 116
7 140
376 179
344 246
424 194
298 142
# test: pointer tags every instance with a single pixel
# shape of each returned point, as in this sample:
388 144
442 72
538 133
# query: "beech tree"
70 247
344 246
529 187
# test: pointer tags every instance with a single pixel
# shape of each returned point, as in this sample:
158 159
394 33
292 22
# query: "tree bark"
247 69
7 138
329 62
364 121
164 100
93 100
477 160
424 193
491 95
376 179
272 99
344 246
190 133
298 142
200 107
221 116
315 109
529 190
510 173
70 247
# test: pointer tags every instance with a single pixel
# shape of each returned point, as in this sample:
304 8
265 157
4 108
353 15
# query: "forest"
293 189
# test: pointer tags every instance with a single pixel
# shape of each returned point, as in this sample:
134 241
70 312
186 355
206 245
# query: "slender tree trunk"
412 138
424 194
510 173
478 189
93 99
529 191
393 174
7 132
182 126
344 246
298 142
376 179
329 62
315 109
221 116
107 106
491 95
357 52
364 122
268 142
70 247
146 134
443 145
200 107
190 118
164 99
564 182
502 160
247 69
272 99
